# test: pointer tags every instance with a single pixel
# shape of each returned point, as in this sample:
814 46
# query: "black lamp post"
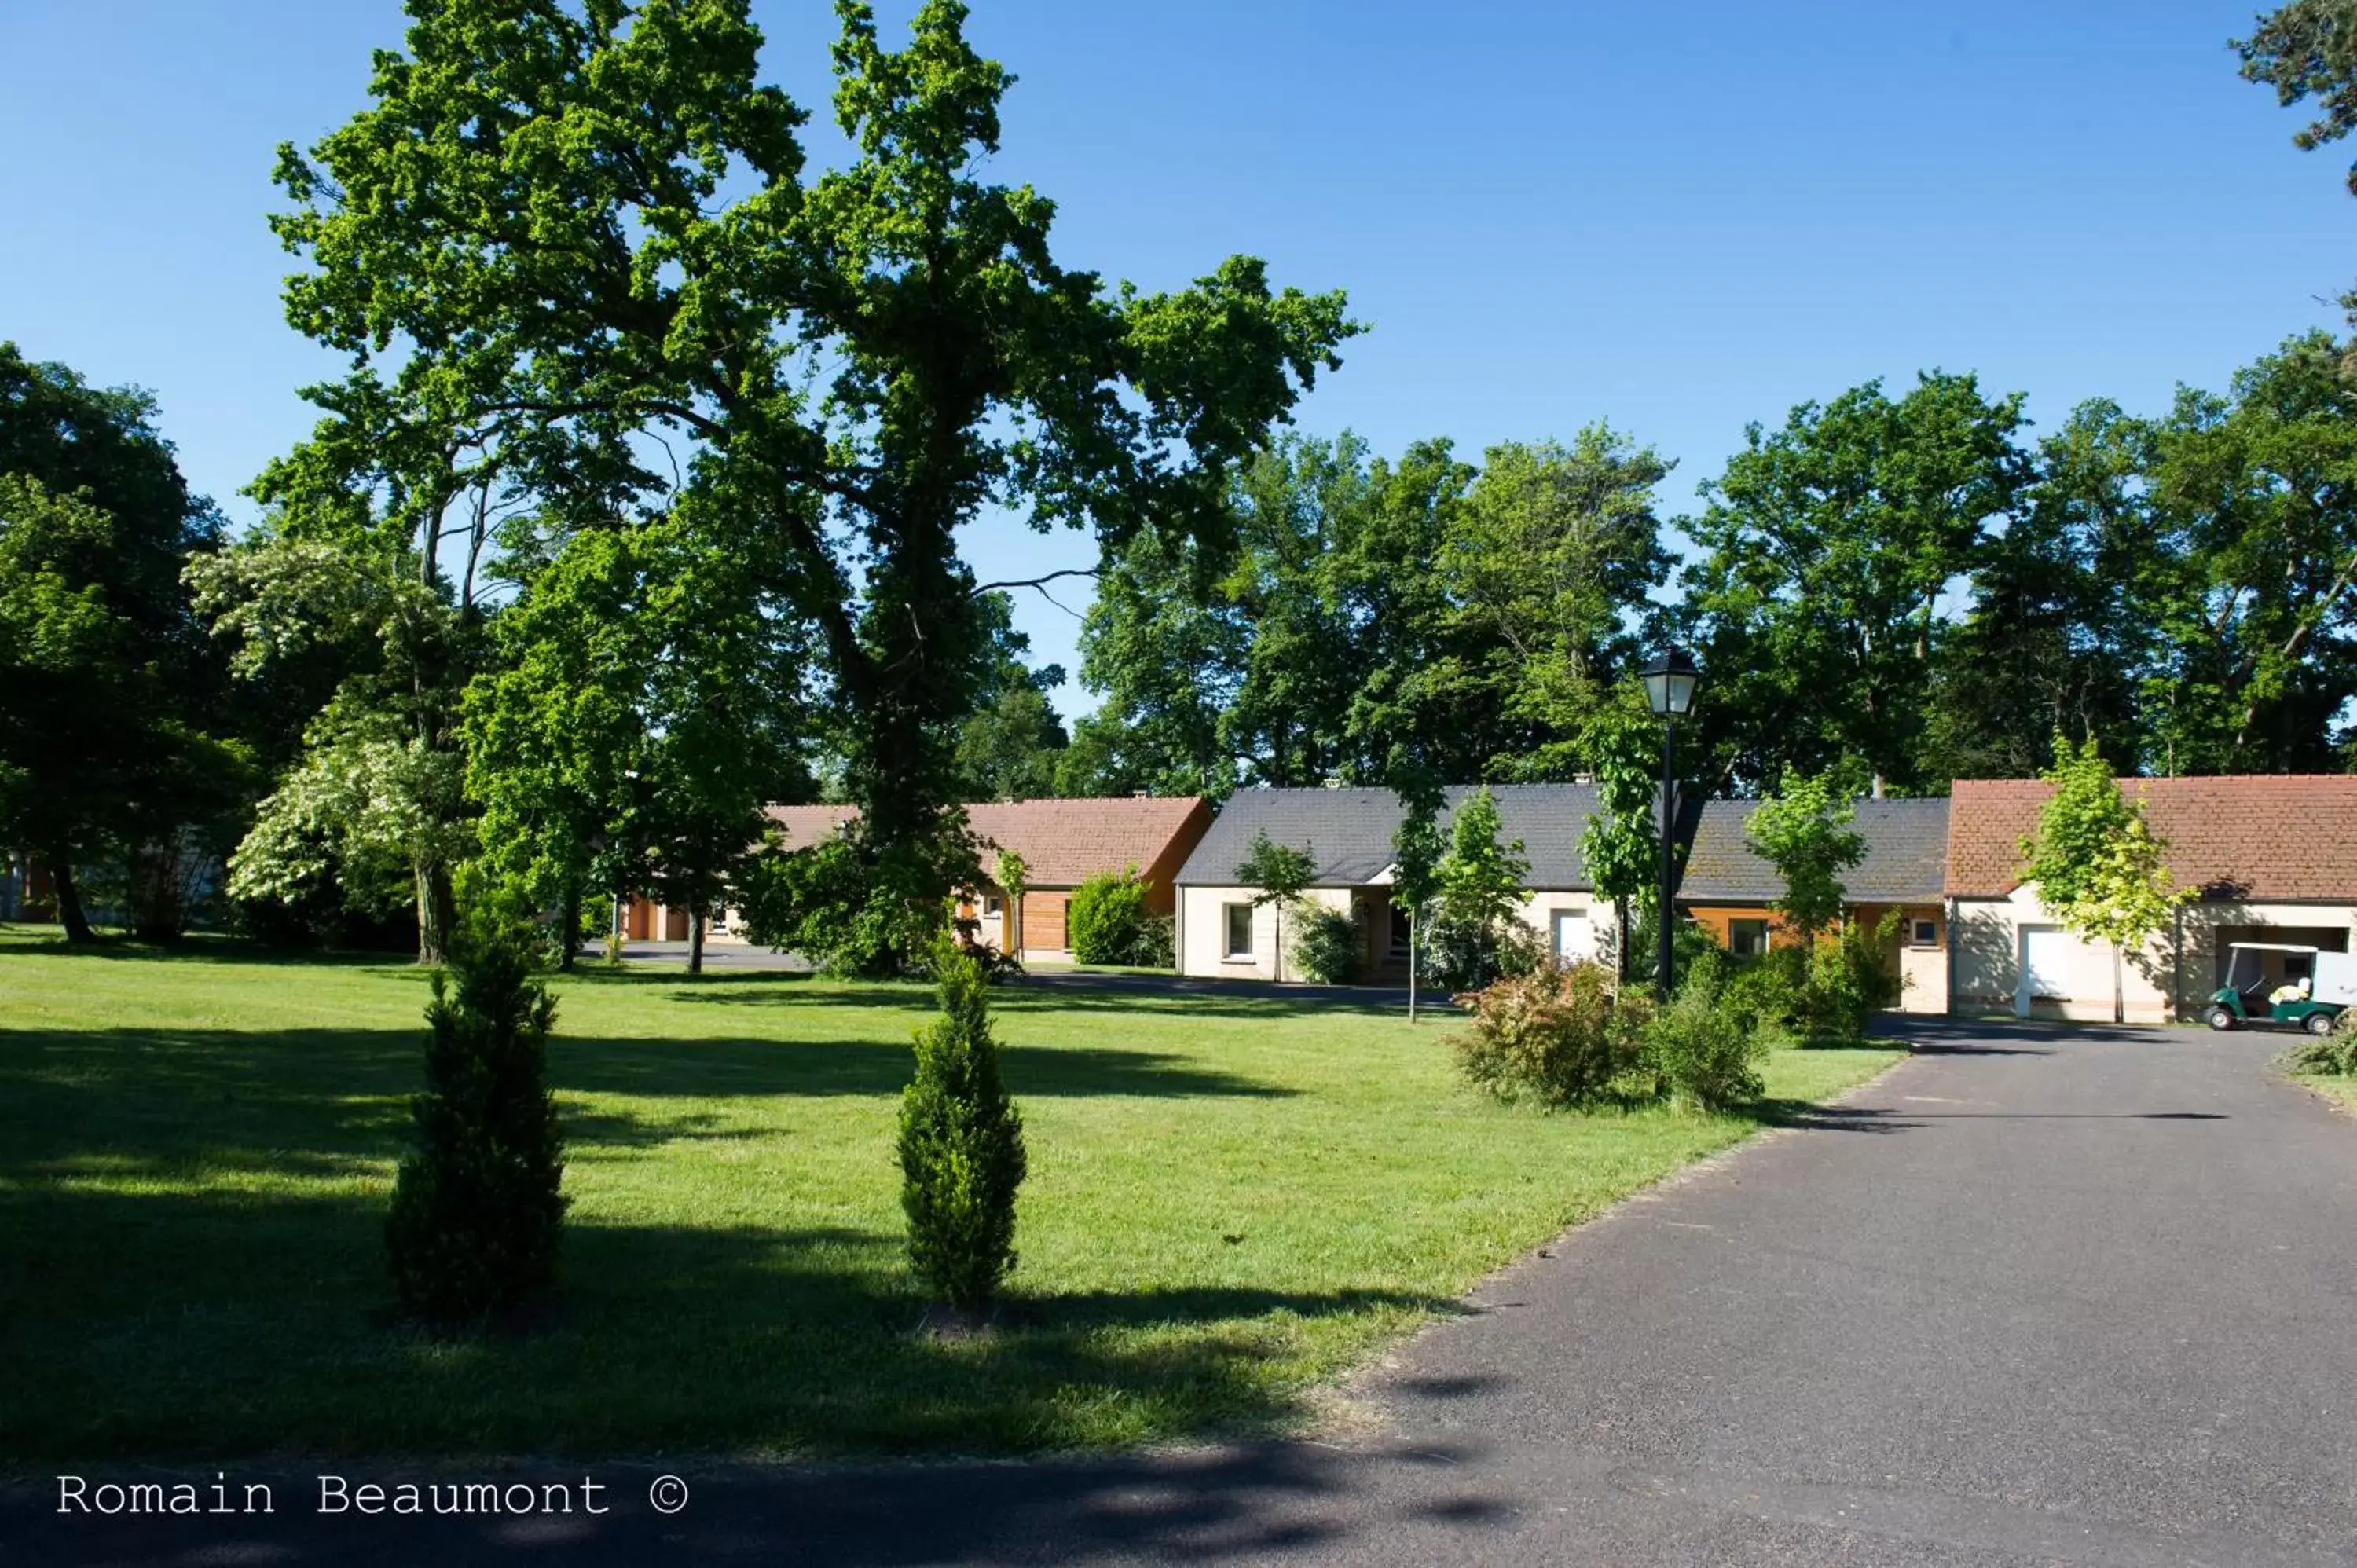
1671 678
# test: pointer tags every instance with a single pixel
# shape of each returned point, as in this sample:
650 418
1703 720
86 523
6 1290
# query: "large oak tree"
578 252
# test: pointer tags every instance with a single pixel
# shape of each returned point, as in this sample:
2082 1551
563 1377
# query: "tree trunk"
695 942
1413 931
2120 989
437 913
570 938
69 898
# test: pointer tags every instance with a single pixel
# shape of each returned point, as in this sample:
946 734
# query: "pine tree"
477 1215
961 1146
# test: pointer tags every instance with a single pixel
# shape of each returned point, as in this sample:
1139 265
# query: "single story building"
2273 858
1063 843
1728 888
1348 833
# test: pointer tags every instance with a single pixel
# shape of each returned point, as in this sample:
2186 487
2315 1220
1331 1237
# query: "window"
992 906
1924 933
1747 939
1240 930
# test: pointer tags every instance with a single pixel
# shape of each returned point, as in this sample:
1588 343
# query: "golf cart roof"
2270 947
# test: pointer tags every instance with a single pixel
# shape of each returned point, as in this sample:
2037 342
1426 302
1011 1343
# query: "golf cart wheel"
2319 1023
2221 1017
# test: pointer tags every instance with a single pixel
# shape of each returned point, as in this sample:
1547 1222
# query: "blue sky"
1680 218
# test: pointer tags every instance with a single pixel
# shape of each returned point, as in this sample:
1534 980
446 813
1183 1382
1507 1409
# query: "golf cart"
2273 983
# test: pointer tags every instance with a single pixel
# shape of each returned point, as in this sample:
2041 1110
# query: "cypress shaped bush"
961 1146
477 1214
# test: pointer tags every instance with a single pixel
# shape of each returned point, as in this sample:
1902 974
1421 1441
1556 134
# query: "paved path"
2078 1297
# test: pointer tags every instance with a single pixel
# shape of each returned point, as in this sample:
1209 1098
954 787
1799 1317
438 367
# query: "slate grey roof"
1906 856
1349 831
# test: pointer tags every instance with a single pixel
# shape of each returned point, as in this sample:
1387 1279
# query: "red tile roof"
2249 836
1062 842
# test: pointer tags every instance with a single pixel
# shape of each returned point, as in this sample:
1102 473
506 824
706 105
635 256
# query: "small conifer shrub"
961 1146
477 1215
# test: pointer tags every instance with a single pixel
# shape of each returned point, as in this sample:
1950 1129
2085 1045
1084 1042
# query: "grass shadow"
264 1330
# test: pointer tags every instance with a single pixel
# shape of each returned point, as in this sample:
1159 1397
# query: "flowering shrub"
1561 1035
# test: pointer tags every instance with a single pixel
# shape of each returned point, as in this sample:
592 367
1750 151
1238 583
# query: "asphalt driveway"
2035 1296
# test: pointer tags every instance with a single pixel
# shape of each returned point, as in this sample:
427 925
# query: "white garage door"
2049 955
1574 936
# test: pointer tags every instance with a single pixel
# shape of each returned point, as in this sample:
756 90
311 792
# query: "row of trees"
1904 579
637 505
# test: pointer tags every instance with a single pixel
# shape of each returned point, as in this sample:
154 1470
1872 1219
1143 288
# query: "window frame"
1922 931
1749 926
1229 951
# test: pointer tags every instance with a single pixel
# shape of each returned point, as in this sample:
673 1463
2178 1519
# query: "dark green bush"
1767 995
1107 920
477 1215
1158 944
2333 1056
848 913
1560 1035
1324 943
960 1145
1699 1045
1849 981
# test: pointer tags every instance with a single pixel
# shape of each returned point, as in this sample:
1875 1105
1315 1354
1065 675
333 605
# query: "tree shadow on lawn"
182 1324
333 1092
207 948
1118 993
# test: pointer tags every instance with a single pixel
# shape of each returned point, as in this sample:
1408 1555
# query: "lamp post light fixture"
1671 677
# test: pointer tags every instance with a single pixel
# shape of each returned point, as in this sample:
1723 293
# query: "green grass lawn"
1231 1203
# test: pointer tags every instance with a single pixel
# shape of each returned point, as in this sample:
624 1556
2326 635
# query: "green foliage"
1378 614
1480 878
961 1146
1457 955
1701 1046
1826 547
1478 933
1014 877
1107 920
1555 549
477 1215
1849 981
2333 1056
630 250
1280 873
1621 844
1563 1037
115 741
1012 745
1325 945
1803 831
2099 868
643 706
1687 942
1768 995
850 909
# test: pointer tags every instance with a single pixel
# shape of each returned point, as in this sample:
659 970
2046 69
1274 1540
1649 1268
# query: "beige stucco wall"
1203 932
1539 911
1923 979
1988 947
1202 927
